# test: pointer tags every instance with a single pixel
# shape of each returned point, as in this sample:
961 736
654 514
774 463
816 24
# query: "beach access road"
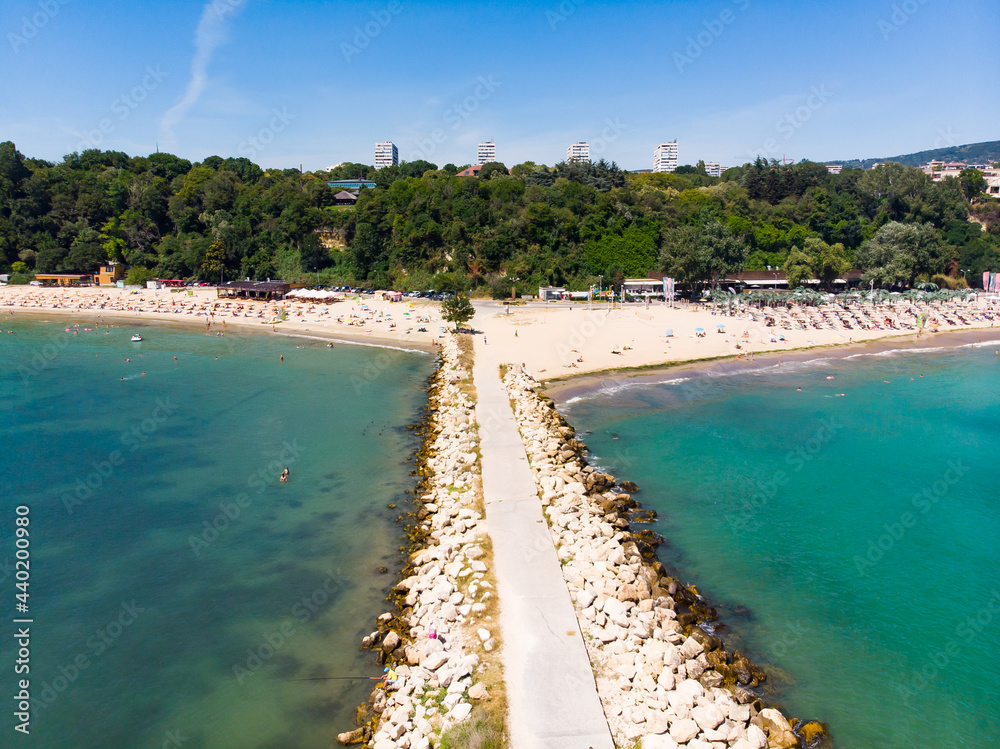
551 692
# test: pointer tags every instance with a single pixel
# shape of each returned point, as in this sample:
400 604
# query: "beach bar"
65 279
254 290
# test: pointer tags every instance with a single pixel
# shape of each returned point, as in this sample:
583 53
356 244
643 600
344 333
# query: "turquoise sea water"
859 533
178 589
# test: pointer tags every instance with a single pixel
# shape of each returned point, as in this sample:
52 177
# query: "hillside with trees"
971 153
425 228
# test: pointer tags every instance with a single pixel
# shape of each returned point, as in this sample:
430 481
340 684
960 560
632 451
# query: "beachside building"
486 152
472 171
345 197
386 154
551 293
253 290
64 279
578 152
835 168
109 274
713 168
649 286
351 184
939 170
665 157
992 176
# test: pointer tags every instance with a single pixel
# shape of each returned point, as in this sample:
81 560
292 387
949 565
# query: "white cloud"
210 34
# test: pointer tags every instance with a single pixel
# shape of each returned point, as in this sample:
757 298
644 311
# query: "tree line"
423 227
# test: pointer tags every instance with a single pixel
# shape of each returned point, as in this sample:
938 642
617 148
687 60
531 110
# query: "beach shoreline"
569 387
659 667
313 326
560 343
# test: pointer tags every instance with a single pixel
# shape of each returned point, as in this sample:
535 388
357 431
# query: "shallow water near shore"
179 591
859 532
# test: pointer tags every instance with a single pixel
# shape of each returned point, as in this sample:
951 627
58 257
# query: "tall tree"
898 253
798 268
457 309
973 183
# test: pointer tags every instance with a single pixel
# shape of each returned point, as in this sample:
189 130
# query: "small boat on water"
136 338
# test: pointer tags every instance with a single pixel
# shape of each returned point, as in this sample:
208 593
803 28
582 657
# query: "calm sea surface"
860 532
180 592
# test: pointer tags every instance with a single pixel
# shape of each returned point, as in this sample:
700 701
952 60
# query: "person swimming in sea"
284 475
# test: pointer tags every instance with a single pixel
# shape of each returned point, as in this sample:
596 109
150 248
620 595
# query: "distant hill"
973 153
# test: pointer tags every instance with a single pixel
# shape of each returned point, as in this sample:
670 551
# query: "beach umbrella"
720 325
699 330
670 332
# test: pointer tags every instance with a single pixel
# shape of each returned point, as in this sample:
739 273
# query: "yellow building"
64 279
109 274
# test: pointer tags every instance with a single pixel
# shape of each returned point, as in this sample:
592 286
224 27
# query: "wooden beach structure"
266 290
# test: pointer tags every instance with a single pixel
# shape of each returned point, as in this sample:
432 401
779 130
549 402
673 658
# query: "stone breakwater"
439 641
663 681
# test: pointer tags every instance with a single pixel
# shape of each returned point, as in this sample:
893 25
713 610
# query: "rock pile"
662 679
443 630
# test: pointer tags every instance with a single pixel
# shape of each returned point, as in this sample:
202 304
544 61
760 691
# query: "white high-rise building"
486 153
713 168
386 154
578 152
665 157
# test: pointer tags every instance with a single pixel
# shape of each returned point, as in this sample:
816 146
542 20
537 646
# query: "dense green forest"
425 228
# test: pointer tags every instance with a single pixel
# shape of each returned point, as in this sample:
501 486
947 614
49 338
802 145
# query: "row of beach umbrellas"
929 293
316 294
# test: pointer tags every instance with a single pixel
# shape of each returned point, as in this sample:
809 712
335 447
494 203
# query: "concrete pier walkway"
551 692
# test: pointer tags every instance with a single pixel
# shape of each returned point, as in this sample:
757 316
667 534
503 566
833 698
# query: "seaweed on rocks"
429 638
654 640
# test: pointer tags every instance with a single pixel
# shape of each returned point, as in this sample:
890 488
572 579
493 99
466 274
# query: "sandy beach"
411 324
563 340
554 342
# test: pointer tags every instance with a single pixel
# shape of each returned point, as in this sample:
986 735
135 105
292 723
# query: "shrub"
500 288
948 282
137 276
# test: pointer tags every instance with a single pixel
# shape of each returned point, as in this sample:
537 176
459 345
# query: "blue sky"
317 83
